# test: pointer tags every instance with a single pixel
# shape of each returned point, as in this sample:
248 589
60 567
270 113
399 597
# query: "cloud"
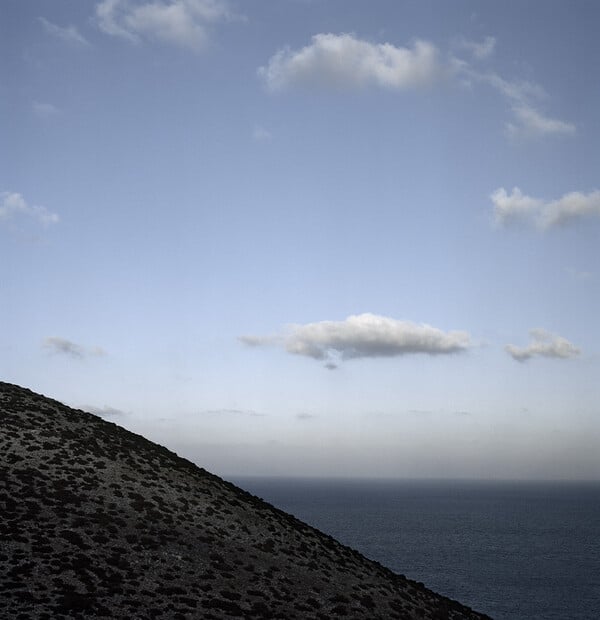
580 275
44 110
104 412
228 412
518 207
12 204
258 341
68 34
342 61
305 416
364 335
530 122
66 347
543 344
183 23
479 51
260 134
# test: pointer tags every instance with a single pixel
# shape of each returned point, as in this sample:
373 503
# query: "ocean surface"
513 550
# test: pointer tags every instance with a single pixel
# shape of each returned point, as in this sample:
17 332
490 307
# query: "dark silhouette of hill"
96 521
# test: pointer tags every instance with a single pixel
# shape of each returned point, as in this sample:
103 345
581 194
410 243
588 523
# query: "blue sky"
305 237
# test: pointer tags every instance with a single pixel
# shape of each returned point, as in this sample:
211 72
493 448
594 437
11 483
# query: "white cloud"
518 207
580 275
513 206
179 22
260 134
529 122
104 412
44 110
344 61
12 204
364 335
227 412
543 344
68 34
481 50
67 347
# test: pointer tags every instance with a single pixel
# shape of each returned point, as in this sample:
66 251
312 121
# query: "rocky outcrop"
96 521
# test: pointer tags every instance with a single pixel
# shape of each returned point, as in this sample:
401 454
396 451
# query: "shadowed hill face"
96 521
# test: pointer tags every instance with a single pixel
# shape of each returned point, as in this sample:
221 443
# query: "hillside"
96 521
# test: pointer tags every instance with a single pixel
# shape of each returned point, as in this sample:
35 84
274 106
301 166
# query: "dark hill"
96 521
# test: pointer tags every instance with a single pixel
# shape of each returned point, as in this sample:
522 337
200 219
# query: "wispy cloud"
228 412
66 347
478 49
346 62
68 34
184 23
528 121
543 344
260 134
343 61
104 412
581 276
44 110
305 416
519 208
12 204
364 335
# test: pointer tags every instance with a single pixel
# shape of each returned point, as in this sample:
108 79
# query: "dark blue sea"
514 550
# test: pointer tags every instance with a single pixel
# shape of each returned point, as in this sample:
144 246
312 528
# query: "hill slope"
96 521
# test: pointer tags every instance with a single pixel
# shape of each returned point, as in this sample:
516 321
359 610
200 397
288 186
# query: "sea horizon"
512 549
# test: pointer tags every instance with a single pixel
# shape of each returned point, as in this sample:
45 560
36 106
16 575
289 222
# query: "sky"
309 237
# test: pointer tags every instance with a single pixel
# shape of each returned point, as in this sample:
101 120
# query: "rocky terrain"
96 521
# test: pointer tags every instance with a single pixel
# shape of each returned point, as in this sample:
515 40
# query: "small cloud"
514 206
342 61
518 207
68 34
12 204
259 341
364 335
543 344
184 23
234 412
582 276
531 123
104 412
479 50
260 134
528 121
67 347
44 110
305 416
330 366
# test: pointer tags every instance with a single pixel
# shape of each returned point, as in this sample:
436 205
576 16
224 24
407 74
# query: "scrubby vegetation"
96 521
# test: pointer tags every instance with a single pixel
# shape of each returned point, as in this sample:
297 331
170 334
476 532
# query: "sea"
513 550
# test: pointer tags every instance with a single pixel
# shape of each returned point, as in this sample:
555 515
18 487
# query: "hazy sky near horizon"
309 237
